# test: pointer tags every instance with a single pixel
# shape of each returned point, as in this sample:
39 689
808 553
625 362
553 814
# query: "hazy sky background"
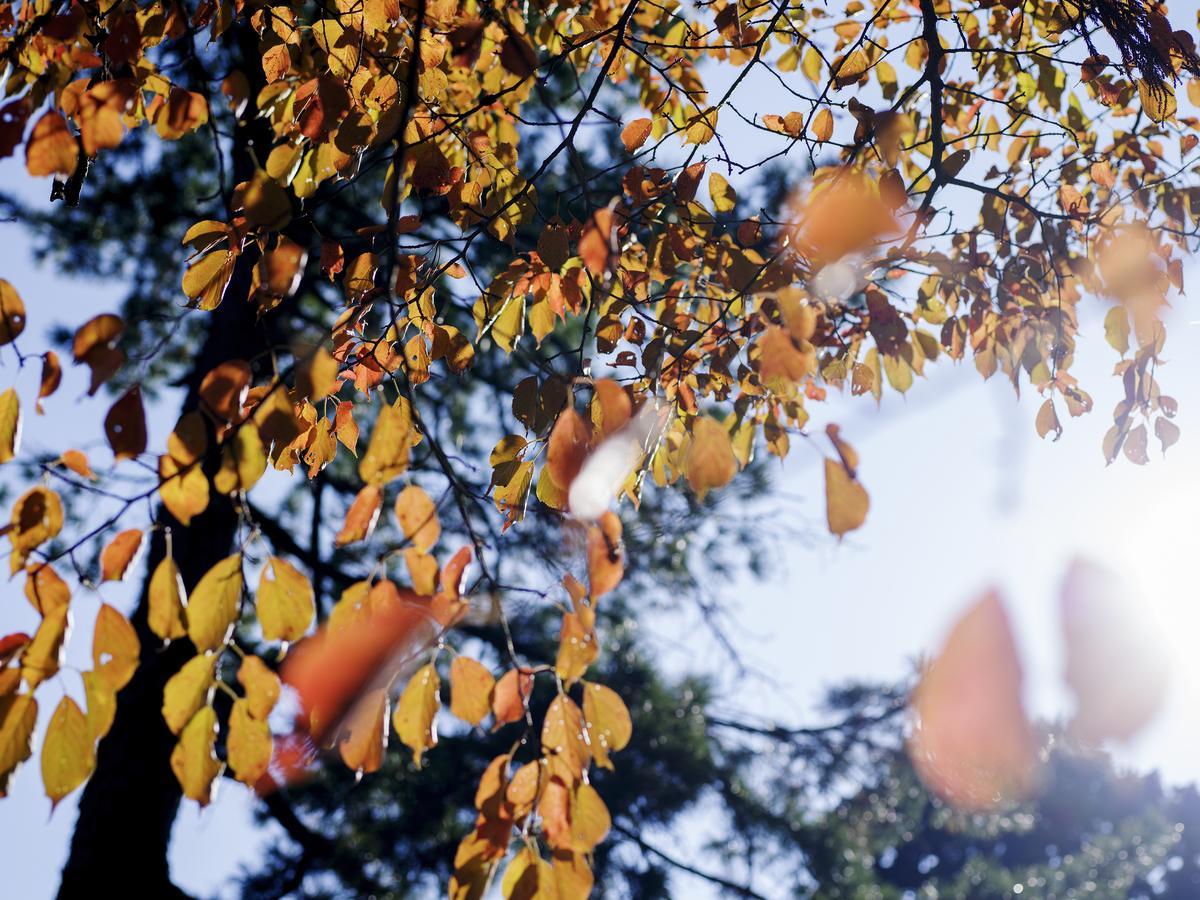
964 496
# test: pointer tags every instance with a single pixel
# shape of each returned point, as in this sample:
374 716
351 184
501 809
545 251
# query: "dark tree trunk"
119 846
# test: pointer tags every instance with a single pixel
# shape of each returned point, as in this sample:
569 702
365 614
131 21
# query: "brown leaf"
225 388
125 425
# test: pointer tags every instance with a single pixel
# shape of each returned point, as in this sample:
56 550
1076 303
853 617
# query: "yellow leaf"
391 440
213 607
362 749
248 744
18 717
167 600
418 517
261 684
10 425
710 461
43 657
846 500
285 601
590 819
471 686
101 704
607 720
188 690
115 647
562 735
37 517
850 68
183 488
44 589
416 711
193 761
1157 100
68 752
243 461
822 125
724 197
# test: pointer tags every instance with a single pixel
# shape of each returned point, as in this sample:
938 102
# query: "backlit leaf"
418 517
194 760
471 686
120 554
213 607
166 599
416 711
115 647
68 751
285 600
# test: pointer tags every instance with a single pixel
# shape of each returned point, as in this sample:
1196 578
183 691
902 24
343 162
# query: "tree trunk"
121 836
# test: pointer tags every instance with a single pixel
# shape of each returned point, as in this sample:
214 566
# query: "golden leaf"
213 607
68 752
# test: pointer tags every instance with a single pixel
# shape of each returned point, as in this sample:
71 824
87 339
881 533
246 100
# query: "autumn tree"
403 223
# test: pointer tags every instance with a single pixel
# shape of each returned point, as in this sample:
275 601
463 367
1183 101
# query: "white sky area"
964 497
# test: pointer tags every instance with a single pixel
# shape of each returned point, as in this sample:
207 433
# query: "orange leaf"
119 555
635 133
361 517
508 699
471 686
51 148
972 744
